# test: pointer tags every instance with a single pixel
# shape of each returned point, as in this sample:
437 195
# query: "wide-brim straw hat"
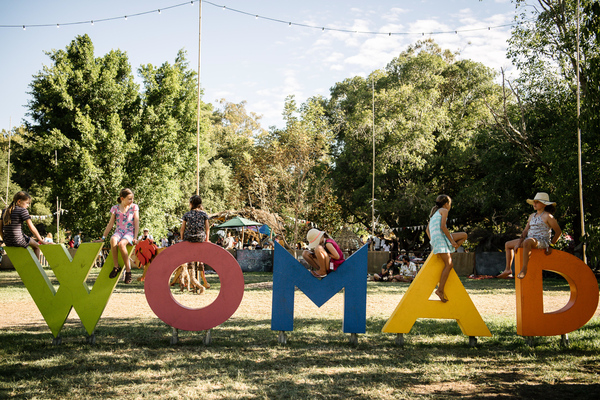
314 238
542 198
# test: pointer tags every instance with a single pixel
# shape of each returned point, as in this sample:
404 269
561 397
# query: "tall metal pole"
57 221
373 188
8 165
579 145
198 109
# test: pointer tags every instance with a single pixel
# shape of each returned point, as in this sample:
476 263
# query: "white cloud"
394 14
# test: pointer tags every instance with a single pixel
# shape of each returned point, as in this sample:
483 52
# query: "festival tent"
238 222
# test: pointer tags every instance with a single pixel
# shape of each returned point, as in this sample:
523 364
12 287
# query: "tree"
83 114
296 157
164 162
16 135
234 134
94 132
429 110
544 50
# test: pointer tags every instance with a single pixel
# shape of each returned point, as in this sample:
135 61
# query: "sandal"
128 277
316 275
115 272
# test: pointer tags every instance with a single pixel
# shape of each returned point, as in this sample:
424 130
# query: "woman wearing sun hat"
536 234
324 254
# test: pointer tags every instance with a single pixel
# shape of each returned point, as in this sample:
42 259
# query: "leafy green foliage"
429 109
94 132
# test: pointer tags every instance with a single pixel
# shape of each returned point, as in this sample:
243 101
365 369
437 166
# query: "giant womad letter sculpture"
158 290
71 273
416 304
582 304
351 276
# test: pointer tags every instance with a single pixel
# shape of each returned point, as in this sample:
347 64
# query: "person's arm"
136 225
444 214
555 227
207 229
182 229
109 227
1 229
427 232
550 220
332 251
34 230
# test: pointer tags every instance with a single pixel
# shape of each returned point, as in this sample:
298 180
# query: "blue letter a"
351 276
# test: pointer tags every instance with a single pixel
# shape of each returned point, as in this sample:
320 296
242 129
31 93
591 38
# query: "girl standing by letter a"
442 241
127 216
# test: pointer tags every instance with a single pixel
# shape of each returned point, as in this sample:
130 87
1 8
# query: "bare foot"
441 295
521 274
504 274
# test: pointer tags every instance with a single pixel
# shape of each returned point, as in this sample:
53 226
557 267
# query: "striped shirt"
13 233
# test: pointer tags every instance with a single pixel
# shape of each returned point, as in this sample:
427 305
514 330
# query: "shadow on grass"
133 358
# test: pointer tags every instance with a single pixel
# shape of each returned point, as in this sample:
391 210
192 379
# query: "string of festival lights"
257 16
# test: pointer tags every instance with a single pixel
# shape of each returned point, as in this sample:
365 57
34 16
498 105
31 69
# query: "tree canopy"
440 123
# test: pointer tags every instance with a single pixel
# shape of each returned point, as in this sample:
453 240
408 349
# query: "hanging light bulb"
92 22
191 3
57 26
24 28
126 18
159 10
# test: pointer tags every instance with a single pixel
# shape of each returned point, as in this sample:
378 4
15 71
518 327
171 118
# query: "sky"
244 54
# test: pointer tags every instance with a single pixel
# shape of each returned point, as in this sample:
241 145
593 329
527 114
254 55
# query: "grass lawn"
133 357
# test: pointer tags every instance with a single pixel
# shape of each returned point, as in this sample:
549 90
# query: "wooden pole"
579 161
373 183
198 107
8 165
57 221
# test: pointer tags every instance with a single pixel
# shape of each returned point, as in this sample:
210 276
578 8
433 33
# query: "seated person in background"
388 270
145 235
408 271
48 238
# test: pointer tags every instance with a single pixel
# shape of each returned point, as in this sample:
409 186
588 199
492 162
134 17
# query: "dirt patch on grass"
129 301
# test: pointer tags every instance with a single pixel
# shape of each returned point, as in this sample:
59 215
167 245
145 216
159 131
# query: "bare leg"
203 276
115 251
448 265
528 245
322 260
35 246
311 259
123 248
319 260
459 237
509 248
